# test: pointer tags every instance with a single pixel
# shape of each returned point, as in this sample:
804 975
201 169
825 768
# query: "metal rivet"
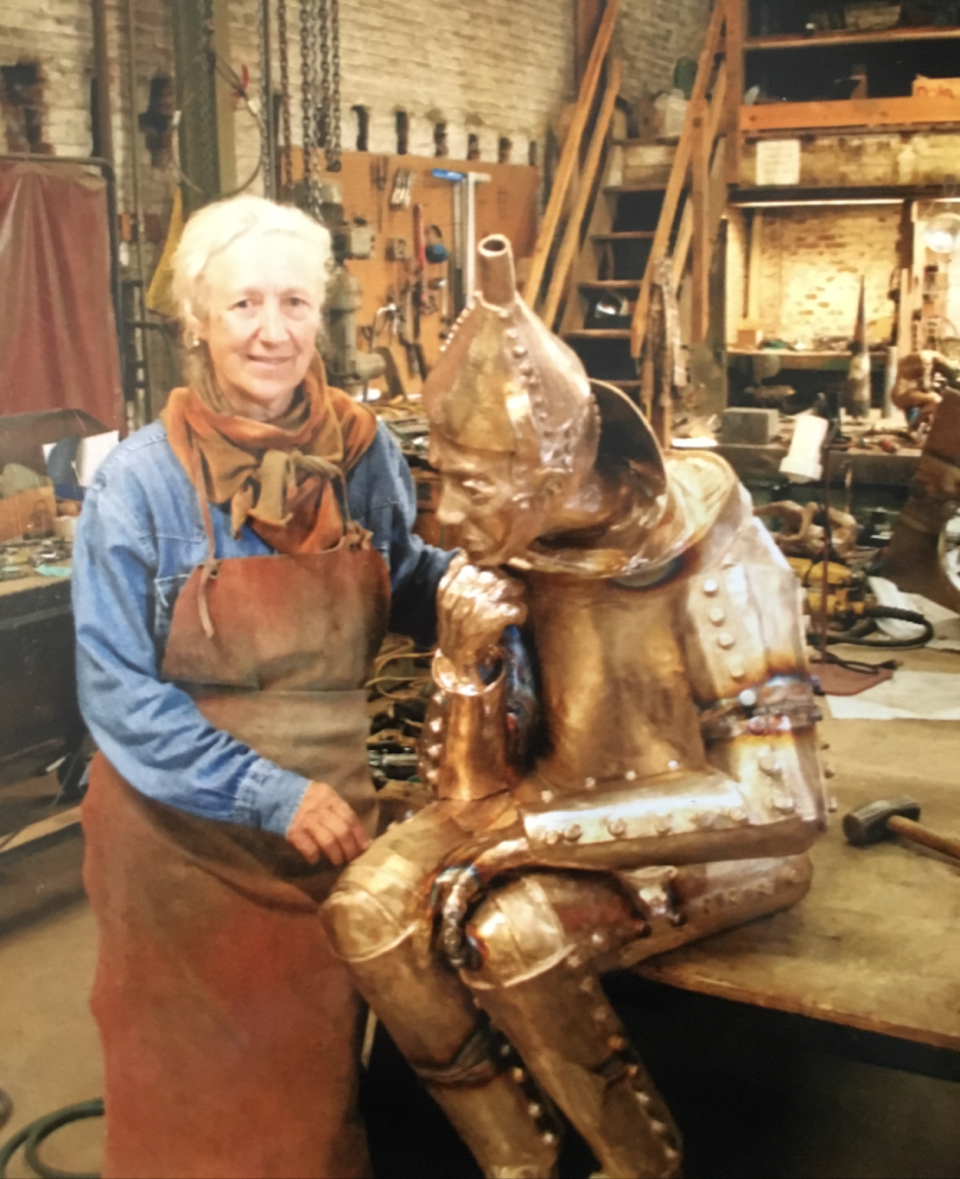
617 1043
643 1099
706 818
737 668
505 1049
670 1154
433 776
587 985
598 938
599 1014
769 763
673 764
549 1138
590 783
434 751
738 814
617 827
657 1127
632 1070
725 640
518 1075
717 615
575 961
519 350
710 587
535 1110
664 825
784 803
436 725
551 838
546 796
748 697
573 832
757 724
631 775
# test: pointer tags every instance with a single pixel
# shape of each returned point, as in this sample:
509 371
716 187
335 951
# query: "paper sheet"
778 162
910 695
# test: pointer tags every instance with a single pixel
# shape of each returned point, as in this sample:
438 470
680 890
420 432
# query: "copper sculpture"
622 746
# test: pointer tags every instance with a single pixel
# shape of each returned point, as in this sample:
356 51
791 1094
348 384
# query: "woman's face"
263 315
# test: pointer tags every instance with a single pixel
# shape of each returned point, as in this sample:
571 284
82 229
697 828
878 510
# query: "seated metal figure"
667 786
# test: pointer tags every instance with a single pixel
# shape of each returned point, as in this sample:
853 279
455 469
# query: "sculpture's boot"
914 560
544 940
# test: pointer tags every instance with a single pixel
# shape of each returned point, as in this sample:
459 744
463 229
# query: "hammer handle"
920 834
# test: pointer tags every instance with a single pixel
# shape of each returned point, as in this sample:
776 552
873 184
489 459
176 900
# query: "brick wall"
811 262
652 34
500 68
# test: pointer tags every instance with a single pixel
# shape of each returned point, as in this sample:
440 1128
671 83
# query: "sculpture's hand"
473 606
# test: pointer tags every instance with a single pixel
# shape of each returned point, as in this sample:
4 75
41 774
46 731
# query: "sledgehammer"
894 816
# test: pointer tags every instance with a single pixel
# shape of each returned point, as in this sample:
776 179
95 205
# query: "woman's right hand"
325 825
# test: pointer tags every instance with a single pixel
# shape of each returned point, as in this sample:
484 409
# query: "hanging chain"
323 97
333 106
286 168
308 96
266 99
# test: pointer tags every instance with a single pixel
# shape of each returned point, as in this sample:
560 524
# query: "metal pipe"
101 76
137 195
269 145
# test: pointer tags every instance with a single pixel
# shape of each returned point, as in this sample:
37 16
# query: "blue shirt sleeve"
383 498
151 731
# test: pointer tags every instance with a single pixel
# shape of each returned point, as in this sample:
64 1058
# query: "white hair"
216 226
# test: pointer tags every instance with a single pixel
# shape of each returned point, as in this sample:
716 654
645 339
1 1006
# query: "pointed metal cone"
860 328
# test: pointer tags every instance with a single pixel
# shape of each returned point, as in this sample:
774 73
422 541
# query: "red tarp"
58 339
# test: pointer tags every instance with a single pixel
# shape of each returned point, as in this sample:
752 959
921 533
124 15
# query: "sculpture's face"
496 505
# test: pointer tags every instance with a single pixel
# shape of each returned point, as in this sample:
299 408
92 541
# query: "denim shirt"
139 538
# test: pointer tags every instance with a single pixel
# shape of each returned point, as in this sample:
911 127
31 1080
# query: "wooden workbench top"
876 943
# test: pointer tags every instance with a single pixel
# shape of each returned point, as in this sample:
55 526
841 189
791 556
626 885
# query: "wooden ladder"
601 271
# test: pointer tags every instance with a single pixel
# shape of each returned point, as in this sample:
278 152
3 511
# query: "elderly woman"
232 581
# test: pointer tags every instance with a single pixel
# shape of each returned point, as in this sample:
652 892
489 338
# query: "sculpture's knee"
372 907
518 934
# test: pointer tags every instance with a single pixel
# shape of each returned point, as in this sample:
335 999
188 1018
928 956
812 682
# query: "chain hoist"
283 45
267 144
333 110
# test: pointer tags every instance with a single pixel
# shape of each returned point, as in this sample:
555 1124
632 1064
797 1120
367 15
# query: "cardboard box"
936 87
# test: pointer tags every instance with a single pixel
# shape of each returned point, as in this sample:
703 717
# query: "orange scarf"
278 475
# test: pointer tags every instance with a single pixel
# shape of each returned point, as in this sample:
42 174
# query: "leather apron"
230 1030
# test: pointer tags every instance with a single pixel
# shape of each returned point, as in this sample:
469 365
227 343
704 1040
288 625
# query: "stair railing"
569 167
698 162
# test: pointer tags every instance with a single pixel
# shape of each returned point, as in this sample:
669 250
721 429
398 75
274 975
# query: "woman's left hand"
325 825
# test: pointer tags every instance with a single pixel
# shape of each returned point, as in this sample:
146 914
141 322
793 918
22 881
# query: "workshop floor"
750 1100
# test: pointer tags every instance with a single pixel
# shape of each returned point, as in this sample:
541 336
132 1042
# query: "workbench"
874 944
39 716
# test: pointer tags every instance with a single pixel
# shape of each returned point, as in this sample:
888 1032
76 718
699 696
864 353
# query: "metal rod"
137 195
269 149
101 74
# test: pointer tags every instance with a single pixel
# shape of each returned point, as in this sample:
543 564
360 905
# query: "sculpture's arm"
466 751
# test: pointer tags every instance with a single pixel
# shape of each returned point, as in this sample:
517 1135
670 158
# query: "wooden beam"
570 156
702 252
571 238
587 15
854 112
753 265
678 174
735 86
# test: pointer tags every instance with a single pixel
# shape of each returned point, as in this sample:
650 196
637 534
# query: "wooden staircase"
592 275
